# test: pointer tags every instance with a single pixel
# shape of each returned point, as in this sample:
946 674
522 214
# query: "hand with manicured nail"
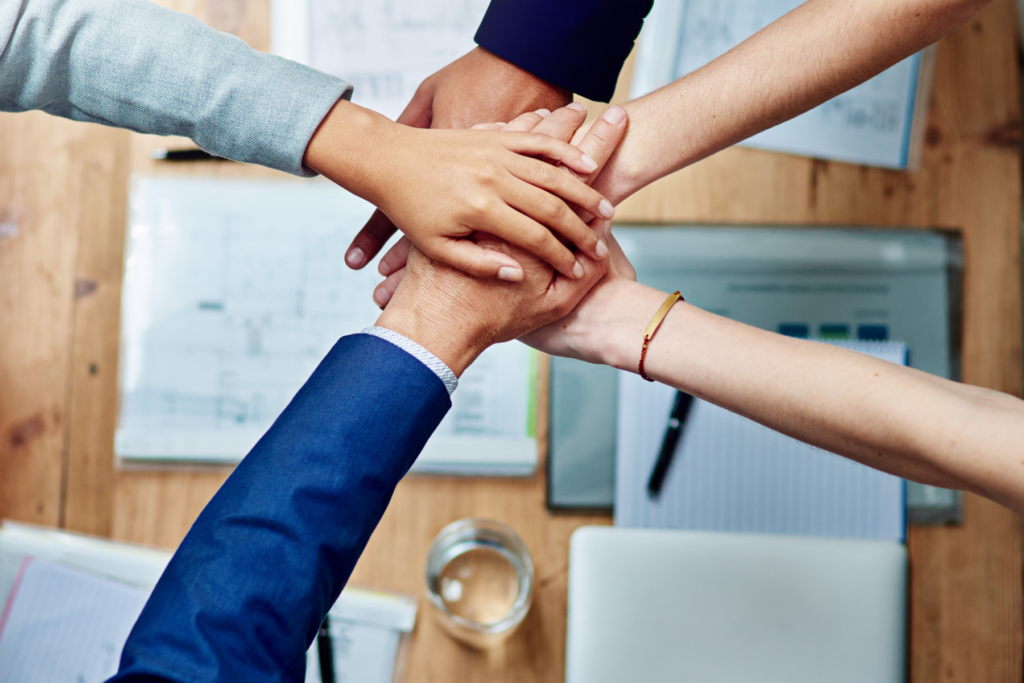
599 140
441 186
479 86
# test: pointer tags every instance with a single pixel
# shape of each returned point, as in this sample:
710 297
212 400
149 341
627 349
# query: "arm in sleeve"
579 45
132 64
245 593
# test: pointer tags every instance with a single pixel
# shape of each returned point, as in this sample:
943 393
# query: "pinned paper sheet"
235 290
384 49
879 123
732 474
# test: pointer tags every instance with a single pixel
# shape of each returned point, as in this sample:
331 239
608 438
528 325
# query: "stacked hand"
441 186
457 316
598 140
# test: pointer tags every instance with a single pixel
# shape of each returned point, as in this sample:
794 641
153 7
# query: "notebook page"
62 625
732 474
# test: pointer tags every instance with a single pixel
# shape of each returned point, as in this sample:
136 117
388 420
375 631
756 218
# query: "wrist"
624 342
347 149
457 343
610 329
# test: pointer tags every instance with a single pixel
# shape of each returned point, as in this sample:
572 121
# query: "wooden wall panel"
89 479
49 171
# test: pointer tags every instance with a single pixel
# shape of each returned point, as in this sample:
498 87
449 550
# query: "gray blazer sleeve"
132 64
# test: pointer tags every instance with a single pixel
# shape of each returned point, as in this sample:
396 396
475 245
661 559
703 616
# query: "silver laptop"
660 606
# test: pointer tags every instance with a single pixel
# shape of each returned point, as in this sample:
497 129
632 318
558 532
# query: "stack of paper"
732 474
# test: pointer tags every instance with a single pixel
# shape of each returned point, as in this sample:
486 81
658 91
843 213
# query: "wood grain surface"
63 193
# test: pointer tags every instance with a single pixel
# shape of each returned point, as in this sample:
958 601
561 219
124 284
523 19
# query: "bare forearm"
892 418
817 51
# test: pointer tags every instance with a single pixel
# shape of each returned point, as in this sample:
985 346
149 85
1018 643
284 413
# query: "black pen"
325 650
676 423
184 155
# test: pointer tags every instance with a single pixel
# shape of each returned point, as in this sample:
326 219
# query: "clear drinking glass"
480 579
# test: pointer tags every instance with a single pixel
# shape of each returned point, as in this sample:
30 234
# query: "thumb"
367 244
568 292
476 260
419 113
617 261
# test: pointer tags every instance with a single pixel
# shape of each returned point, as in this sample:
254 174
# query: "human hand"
599 141
480 86
607 326
477 87
456 316
442 185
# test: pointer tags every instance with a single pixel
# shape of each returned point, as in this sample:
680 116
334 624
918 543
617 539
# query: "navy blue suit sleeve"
579 45
242 598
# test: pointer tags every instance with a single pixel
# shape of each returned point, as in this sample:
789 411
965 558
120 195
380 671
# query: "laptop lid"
662 606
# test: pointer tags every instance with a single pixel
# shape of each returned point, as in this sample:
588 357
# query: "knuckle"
487 174
591 197
479 205
603 132
566 217
554 209
537 239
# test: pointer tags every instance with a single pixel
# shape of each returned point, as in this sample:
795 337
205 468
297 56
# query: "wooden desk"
63 190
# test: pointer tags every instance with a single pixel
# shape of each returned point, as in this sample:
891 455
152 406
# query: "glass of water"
480 579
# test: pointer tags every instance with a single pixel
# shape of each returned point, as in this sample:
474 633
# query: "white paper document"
870 124
71 601
732 474
62 625
134 565
367 629
384 49
235 290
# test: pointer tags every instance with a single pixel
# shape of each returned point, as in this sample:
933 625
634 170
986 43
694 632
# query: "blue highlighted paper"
795 330
873 332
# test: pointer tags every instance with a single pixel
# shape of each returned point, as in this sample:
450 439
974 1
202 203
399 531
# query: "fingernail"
577 270
500 124
380 296
588 162
576 106
614 114
510 274
355 257
606 209
543 112
601 250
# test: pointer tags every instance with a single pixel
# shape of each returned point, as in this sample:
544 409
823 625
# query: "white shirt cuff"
436 365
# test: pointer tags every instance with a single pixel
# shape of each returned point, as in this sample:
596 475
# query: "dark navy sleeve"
242 598
579 45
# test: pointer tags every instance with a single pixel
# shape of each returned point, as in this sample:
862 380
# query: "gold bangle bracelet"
653 327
